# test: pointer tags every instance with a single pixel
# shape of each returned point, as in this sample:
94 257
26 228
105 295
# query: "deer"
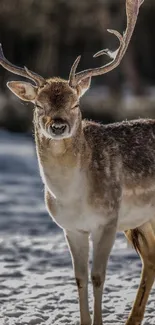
98 179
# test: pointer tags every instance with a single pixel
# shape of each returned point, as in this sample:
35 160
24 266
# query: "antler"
24 72
132 9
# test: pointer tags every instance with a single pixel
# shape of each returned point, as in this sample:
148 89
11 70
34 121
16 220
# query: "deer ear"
24 90
83 86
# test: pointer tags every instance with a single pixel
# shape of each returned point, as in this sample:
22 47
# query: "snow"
37 284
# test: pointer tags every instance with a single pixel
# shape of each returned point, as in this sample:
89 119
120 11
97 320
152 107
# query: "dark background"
47 36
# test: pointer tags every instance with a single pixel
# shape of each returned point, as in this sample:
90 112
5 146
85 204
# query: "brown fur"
135 236
143 239
78 282
96 279
120 153
57 92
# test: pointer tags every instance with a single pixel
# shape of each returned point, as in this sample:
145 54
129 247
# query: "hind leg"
143 239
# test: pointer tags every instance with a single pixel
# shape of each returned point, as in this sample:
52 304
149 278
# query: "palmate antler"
132 9
24 72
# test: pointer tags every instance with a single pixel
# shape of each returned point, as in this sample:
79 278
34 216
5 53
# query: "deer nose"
59 126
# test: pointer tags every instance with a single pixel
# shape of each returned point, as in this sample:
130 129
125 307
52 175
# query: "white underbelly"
80 216
132 215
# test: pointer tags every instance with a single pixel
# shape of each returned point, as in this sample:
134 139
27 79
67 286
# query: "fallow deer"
99 179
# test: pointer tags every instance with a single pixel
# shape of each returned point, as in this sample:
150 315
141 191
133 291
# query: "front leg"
79 247
103 238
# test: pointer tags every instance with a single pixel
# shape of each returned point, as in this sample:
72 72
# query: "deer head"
56 101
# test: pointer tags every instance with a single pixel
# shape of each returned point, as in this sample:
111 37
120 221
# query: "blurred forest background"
47 36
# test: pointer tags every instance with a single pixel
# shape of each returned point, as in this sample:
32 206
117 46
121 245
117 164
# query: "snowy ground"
36 278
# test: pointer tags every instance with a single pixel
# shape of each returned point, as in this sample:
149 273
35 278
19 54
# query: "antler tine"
132 9
24 72
72 81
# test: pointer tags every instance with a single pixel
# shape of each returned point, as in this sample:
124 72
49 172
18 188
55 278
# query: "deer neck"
61 163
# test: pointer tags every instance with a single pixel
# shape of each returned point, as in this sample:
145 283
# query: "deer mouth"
59 129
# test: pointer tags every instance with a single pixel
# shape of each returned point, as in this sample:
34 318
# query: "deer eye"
76 106
40 107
